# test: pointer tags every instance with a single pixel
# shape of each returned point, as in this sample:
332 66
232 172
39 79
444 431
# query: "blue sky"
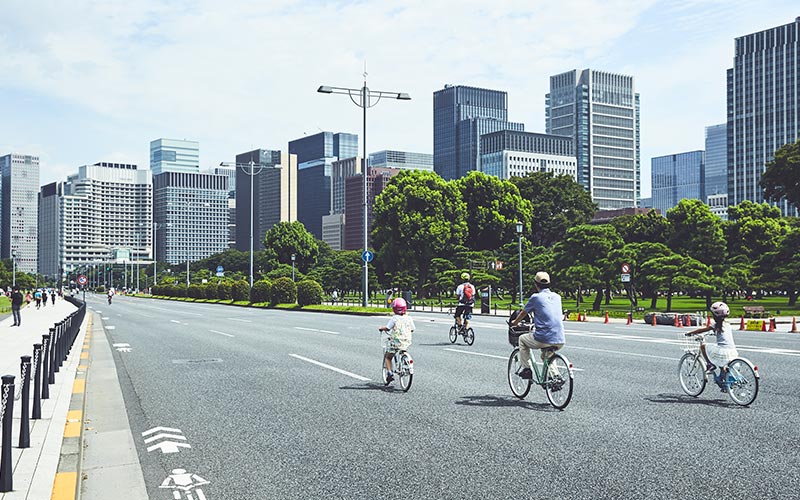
82 82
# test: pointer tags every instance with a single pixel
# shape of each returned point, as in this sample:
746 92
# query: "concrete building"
718 203
191 213
716 173
509 153
763 107
354 203
677 177
104 209
600 111
229 172
274 194
461 115
19 210
401 159
173 155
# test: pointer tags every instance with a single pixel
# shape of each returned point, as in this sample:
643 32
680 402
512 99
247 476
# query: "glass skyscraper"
763 114
172 155
677 177
19 210
716 178
461 115
600 111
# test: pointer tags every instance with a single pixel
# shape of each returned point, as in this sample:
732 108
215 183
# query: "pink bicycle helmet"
399 306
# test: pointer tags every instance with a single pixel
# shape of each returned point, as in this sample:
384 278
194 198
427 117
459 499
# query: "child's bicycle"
742 378
556 377
467 333
402 367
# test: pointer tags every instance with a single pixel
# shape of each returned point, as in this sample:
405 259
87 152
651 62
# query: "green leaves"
781 179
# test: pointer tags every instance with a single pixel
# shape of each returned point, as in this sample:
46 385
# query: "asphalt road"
265 420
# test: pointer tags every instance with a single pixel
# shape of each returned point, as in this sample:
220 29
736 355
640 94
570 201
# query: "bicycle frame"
539 380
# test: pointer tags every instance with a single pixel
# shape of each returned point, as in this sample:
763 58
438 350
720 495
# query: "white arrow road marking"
497 357
160 429
124 349
168 447
106 317
175 321
164 435
242 320
110 327
316 330
121 345
221 333
329 367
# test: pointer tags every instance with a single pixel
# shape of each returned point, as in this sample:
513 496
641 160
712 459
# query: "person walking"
53 296
16 304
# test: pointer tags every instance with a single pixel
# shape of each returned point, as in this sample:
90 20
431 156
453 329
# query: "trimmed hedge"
196 291
261 289
309 292
283 291
240 290
224 290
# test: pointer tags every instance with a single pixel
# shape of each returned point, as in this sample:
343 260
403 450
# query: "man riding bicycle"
545 306
466 299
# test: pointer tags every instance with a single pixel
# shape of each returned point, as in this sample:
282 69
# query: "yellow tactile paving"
84 355
73 425
79 386
64 486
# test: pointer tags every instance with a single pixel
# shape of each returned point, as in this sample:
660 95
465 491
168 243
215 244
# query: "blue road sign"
219 269
367 256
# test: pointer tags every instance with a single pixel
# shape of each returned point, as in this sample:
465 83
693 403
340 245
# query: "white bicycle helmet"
720 310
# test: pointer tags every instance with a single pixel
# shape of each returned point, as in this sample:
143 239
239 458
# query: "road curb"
66 485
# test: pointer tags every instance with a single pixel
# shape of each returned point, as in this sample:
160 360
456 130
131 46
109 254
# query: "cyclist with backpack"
466 300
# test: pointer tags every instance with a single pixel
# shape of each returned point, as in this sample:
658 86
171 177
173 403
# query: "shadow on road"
685 399
502 402
441 344
371 386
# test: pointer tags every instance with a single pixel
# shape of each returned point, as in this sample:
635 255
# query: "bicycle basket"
515 332
688 344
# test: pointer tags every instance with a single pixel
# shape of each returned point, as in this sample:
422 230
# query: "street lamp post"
519 235
14 267
365 100
293 257
252 173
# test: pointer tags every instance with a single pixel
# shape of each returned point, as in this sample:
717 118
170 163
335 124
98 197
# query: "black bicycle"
467 333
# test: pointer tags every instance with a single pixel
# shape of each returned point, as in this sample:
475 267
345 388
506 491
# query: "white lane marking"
505 358
175 321
329 367
623 352
171 310
109 327
242 320
121 345
221 333
316 330
106 317
98 311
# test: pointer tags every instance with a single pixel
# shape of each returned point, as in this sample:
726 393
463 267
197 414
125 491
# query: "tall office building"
600 111
677 177
461 115
377 179
763 107
190 211
716 173
274 194
173 155
104 210
230 173
508 153
19 211
315 156
401 159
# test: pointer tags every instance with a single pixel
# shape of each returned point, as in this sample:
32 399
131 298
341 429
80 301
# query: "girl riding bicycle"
719 355
399 330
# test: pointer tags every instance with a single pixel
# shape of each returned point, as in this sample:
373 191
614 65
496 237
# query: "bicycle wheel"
405 372
453 334
743 382
558 381
384 372
469 336
692 374
519 386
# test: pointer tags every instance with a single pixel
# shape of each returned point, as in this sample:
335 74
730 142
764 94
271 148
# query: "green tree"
780 269
781 178
494 206
287 238
650 227
558 203
754 229
417 217
696 232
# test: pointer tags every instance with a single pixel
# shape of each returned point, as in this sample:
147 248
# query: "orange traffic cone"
654 319
741 326
771 325
630 319
584 315
794 326
606 320
686 320
763 326
676 322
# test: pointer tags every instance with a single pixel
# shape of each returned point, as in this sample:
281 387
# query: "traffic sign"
626 268
625 278
220 271
82 280
367 256
498 265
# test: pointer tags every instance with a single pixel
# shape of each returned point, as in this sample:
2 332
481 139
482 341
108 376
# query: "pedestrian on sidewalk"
53 296
16 303
37 296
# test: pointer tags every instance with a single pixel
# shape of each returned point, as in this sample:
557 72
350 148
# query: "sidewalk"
34 468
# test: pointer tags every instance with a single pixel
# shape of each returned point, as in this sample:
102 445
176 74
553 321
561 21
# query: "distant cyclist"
719 355
545 306
466 300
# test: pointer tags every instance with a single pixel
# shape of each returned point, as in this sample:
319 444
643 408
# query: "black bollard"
51 370
24 421
36 414
7 402
57 340
45 366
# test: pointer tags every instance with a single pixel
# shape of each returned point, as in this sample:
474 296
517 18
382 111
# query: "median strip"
329 367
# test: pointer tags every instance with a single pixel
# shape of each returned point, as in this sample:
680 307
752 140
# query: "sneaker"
525 373
389 377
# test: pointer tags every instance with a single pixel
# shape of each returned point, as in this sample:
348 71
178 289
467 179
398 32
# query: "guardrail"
42 367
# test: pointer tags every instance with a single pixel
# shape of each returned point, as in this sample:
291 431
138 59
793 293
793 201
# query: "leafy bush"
196 291
210 290
261 289
100 289
240 290
309 292
283 291
179 291
224 290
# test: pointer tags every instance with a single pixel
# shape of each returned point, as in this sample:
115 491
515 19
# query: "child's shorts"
721 356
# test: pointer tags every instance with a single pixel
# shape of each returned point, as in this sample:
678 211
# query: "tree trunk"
597 300
792 298
608 293
654 301
669 299
708 301
578 297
